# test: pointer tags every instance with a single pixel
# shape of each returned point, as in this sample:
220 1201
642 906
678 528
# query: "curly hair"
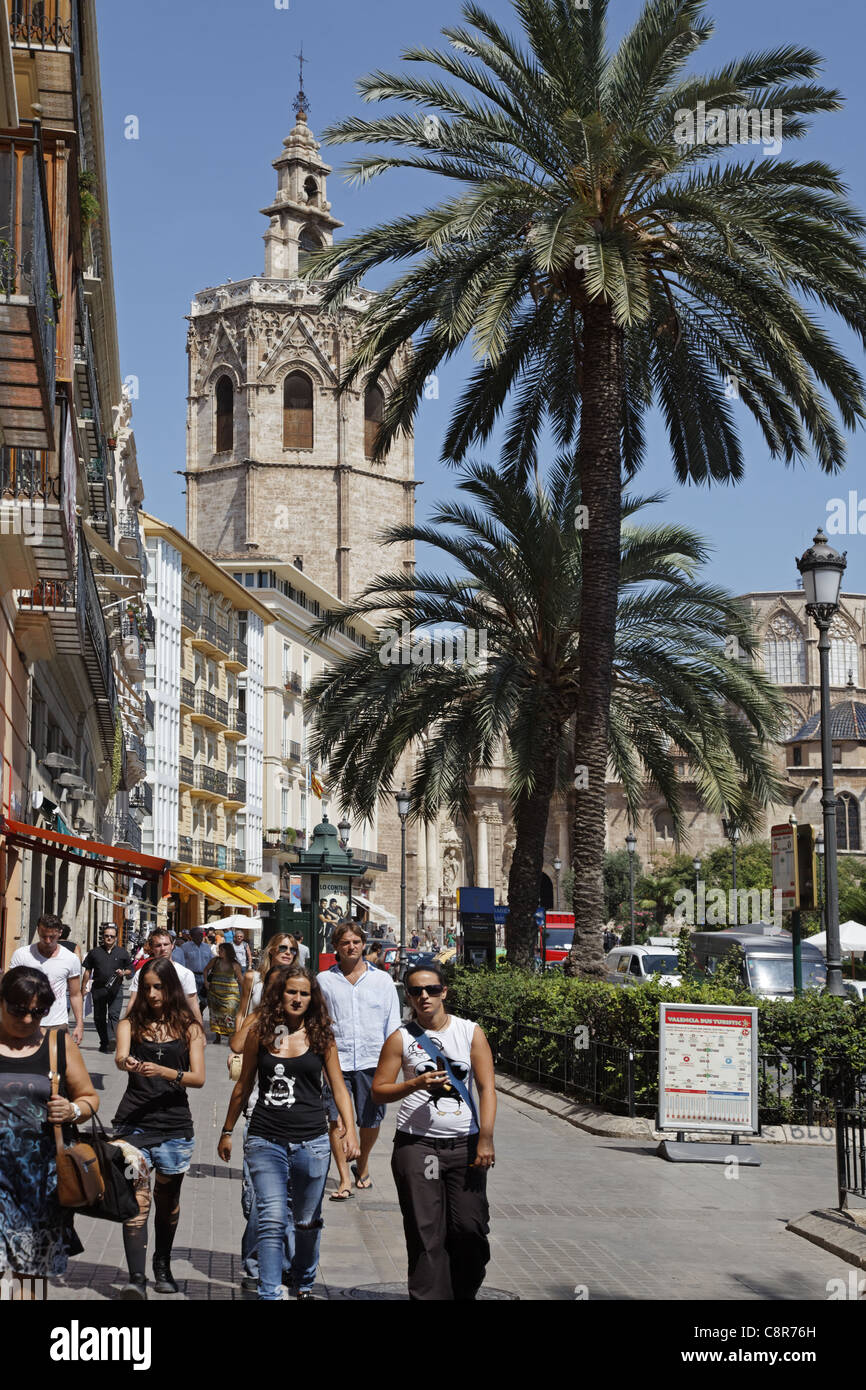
272 1014
176 1013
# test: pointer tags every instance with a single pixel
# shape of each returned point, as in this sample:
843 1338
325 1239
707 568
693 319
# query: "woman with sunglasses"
288 1050
36 1233
282 949
444 1141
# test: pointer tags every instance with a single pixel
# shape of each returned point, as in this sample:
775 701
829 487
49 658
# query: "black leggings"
167 1204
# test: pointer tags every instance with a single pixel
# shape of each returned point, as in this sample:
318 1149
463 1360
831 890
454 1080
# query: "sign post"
708 1079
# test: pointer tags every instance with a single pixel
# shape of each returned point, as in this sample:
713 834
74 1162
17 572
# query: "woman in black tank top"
287 1050
160 1046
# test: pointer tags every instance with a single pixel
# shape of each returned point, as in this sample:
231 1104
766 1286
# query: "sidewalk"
572 1215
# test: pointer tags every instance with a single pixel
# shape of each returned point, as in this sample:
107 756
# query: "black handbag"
118 1202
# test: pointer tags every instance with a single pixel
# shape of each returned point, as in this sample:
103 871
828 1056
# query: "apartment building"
205 679
74 625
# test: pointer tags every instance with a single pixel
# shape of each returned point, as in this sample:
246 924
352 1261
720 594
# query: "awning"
114 557
91 854
375 908
246 893
203 885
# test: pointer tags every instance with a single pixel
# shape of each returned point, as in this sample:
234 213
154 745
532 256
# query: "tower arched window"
843 654
225 415
663 825
847 822
374 412
311 188
307 242
785 652
297 411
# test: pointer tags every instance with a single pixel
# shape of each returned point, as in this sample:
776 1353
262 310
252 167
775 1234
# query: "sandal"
361 1183
342 1194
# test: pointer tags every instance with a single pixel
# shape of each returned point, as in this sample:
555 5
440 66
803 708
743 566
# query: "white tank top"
440 1116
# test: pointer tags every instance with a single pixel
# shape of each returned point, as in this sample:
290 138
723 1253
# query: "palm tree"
600 264
519 551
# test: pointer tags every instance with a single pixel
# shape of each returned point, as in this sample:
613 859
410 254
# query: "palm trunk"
599 461
531 814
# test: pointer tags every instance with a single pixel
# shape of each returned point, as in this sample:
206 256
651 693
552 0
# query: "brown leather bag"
79 1179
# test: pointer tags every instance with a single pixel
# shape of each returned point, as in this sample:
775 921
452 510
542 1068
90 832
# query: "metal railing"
26 253
237 789
850 1154
223 638
222 712
239 651
128 525
94 620
184 849
187 771
210 779
189 613
128 832
237 861
291 751
40 24
238 720
293 683
204 852
141 798
371 857
25 473
187 693
205 703
136 746
206 628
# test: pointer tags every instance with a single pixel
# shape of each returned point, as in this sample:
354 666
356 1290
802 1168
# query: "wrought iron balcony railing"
187 693
187 771
185 849
40 24
141 798
238 720
237 789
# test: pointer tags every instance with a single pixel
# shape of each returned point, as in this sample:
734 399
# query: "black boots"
162 1276
136 1289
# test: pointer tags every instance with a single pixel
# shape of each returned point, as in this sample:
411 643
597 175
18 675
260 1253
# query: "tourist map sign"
783 841
708 1068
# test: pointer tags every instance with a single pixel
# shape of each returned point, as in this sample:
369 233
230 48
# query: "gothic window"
374 410
663 824
225 415
847 822
843 654
311 188
785 652
307 242
297 412
792 722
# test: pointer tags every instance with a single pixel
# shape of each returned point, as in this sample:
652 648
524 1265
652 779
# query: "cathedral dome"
847 721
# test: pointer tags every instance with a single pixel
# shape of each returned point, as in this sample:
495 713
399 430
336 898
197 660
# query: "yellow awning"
257 896
203 885
238 891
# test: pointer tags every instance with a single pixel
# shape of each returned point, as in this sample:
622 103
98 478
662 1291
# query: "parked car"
856 989
635 965
767 968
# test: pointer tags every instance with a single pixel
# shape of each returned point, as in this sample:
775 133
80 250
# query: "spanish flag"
315 786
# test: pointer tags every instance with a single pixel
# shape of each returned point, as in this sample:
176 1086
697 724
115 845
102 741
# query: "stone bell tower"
279 466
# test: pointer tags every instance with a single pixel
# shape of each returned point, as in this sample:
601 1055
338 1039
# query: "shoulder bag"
79 1179
235 1060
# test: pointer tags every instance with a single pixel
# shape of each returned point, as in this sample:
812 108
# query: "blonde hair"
269 953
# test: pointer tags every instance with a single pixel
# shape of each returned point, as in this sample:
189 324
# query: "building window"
308 241
297 411
837 755
797 755
225 415
847 822
785 652
374 410
663 824
843 654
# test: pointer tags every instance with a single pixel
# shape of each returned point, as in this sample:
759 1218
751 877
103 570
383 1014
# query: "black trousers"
445 1216
106 1013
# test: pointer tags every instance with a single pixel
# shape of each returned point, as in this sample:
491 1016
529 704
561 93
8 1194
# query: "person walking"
444 1141
36 1233
365 1010
223 982
282 949
287 1050
63 969
196 954
160 1045
159 947
108 965
243 954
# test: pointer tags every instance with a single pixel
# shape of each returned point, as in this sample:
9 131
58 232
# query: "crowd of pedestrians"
315 1057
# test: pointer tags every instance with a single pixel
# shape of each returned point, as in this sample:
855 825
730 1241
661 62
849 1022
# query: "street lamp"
631 846
557 865
819 850
696 865
732 830
345 829
403 802
822 568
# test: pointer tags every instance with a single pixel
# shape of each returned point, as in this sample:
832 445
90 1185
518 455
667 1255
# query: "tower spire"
301 105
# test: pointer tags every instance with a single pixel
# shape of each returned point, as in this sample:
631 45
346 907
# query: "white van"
635 965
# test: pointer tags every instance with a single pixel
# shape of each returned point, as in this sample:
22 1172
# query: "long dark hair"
176 1013
272 1014
24 983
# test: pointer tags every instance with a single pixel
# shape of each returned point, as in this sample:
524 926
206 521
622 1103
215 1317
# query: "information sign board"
708 1068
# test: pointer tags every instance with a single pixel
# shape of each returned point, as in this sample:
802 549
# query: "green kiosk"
328 870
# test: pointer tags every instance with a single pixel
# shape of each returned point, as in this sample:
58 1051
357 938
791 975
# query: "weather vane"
301 106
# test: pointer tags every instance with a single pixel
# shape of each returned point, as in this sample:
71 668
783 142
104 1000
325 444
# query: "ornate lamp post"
696 865
403 802
631 846
345 829
557 865
732 830
822 568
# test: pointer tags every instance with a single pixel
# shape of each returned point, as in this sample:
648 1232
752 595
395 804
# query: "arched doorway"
545 893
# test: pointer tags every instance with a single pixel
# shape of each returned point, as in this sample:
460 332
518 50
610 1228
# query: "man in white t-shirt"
159 944
63 969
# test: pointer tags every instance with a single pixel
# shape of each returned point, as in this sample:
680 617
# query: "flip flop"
361 1183
342 1194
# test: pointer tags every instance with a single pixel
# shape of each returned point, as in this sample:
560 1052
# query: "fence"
851 1154
793 1088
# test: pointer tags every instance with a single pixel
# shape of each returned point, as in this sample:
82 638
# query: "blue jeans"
250 1237
289 1184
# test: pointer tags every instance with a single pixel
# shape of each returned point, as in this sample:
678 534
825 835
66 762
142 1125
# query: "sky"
211 83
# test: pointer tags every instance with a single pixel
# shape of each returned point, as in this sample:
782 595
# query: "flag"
315 786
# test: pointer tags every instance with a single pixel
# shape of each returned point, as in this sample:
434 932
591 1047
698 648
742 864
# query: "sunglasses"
417 990
22 1011
281 950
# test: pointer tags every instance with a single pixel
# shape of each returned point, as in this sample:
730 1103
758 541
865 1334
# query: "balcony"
209 855
129 541
291 751
128 832
187 772
133 649
204 707
45 24
223 639
185 849
205 635
28 299
188 616
141 798
237 722
237 861
369 856
236 659
36 542
283 840
293 684
237 790
210 780
187 694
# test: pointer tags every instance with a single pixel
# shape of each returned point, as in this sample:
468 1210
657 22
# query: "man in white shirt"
63 969
159 944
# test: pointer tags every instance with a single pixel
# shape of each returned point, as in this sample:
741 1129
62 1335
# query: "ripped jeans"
289 1182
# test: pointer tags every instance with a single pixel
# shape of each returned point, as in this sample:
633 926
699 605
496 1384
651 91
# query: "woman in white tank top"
444 1142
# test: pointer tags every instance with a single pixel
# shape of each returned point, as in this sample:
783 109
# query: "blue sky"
212 83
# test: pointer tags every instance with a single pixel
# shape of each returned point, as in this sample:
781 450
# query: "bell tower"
279 466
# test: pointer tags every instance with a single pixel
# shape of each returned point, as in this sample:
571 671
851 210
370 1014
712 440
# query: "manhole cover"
398 1291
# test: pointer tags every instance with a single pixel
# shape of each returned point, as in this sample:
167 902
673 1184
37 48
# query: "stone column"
433 862
482 865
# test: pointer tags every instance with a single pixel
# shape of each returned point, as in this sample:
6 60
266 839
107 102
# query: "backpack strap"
443 1064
